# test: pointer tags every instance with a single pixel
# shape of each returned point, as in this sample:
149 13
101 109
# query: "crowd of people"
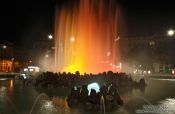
109 83
108 96
49 79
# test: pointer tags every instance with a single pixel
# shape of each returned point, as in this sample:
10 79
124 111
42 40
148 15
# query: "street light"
4 46
50 37
170 32
116 39
46 56
108 53
72 39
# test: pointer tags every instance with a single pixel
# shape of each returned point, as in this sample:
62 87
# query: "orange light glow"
93 25
11 83
6 65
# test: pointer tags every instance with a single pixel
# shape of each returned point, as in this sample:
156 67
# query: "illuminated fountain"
85 37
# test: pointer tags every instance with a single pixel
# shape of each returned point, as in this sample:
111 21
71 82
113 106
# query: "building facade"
12 58
156 52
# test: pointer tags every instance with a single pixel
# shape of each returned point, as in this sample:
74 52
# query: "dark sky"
23 21
147 17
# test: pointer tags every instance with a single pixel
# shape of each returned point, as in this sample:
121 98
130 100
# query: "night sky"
23 21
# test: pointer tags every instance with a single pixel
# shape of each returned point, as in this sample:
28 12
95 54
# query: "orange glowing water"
86 36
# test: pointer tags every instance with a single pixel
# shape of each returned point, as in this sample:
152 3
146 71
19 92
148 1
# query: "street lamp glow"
116 39
108 54
4 46
50 37
72 39
170 32
46 56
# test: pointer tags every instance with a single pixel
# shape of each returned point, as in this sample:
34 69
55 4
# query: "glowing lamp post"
4 50
4 46
170 32
108 54
72 39
46 56
50 37
116 39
